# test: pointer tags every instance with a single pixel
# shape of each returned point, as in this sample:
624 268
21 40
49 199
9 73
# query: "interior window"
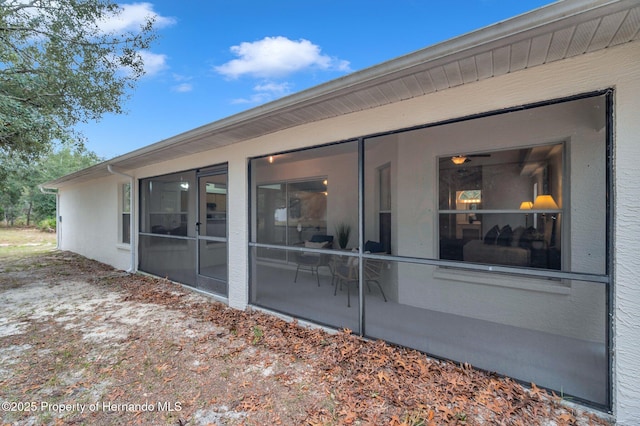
214 208
384 213
503 207
291 212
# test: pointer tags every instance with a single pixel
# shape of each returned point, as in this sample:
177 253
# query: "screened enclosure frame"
604 279
181 212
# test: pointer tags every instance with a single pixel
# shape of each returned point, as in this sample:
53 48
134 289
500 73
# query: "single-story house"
489 183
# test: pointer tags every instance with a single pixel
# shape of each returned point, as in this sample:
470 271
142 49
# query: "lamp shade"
459 159
526 205
545 202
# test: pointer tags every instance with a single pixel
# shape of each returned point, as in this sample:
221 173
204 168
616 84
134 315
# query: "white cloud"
183 88
256 98
266 91
153 62
269 86
274 57
180 77
182 84
132 17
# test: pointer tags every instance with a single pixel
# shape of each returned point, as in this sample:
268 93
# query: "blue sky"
215 58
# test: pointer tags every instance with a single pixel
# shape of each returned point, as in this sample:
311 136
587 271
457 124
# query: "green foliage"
59 67
258 333
20 197
343 231
47 225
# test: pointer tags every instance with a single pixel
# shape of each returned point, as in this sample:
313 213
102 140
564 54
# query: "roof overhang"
548 34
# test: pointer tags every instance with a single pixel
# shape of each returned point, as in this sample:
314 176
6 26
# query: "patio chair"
312 261
347 273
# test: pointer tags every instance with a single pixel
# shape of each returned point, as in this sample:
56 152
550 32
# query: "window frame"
124 213
564 177
384 190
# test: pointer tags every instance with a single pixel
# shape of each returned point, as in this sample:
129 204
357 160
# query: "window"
167 203
292 212
503 207
213 205
125 214
384 213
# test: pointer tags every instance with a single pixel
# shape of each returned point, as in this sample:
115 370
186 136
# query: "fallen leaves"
278 372
374 382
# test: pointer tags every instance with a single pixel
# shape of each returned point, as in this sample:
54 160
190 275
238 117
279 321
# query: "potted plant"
342 232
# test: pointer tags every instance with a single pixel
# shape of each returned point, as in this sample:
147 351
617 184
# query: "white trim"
487 278
132 264
123 246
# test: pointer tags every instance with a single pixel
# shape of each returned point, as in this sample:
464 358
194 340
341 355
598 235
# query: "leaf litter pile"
82 343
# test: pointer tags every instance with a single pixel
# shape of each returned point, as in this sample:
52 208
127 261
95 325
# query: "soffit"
552 33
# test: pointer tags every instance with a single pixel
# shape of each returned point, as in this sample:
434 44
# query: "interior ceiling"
555 32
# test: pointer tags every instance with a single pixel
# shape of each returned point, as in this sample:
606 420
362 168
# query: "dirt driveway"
82 343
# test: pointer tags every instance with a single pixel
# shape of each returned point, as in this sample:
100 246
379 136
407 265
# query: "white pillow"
322 244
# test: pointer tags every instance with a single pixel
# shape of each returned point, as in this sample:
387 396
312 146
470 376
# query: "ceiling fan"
461 159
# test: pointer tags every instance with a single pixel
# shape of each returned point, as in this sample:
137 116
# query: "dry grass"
16 242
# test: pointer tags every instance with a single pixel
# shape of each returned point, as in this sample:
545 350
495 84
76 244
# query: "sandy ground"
82 343
73 349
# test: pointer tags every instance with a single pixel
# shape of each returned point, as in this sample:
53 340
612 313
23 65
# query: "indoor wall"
514 300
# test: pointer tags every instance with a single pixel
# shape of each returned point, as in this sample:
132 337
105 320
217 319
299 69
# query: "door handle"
198 227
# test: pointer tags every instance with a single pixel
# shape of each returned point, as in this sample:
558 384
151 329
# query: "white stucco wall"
89 222
626 254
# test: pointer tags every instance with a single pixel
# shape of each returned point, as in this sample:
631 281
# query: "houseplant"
342 232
